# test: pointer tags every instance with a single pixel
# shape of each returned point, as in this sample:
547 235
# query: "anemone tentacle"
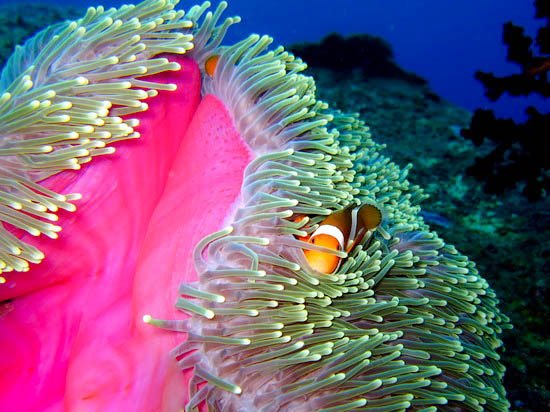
69 93
405 323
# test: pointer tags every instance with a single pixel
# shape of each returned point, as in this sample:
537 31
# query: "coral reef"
314 328
519 155
404 322
372 55
508 237
17 24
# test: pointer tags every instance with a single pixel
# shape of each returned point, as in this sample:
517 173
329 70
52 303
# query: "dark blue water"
443 41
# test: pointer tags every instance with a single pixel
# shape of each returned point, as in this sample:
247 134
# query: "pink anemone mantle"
71 330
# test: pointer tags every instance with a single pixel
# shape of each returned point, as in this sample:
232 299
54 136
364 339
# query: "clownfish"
341 231
210 64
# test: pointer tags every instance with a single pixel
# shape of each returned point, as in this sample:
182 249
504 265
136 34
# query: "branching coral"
370 54
519 156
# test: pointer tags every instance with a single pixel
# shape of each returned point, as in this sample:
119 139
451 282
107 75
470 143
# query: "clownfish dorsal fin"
365 218
369 216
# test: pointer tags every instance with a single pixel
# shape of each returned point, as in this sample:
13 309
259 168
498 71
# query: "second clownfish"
210 64
341 231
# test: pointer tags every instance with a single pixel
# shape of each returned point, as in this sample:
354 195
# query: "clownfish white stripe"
331 231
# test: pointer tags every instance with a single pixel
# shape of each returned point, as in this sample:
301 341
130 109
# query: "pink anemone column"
71 330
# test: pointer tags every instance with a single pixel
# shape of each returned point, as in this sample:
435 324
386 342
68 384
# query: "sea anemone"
402 322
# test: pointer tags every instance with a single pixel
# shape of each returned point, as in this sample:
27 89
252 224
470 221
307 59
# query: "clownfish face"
330 237
341 231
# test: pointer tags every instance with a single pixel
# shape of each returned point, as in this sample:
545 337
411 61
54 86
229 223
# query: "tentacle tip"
82 81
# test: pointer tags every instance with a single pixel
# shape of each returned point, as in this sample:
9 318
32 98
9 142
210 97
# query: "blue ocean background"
442 41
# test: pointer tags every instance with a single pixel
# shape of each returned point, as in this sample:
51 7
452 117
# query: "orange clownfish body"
341 231
210 64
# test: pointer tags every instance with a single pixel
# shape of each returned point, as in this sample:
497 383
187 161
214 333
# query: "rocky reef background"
507 235
18 21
